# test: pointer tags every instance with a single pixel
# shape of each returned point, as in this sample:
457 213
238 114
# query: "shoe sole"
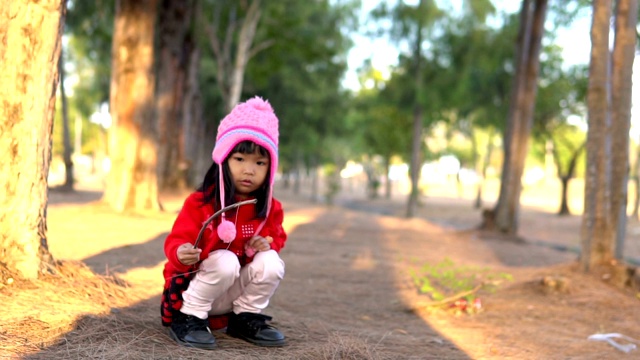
188 344
260 343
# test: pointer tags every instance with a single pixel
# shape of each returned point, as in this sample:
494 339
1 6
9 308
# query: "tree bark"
621 87
482 170
197 159
243 53
520 119
565 177
29 52
175 49
66 137
636 181
231 66
132 183
596 229
387 179
416 141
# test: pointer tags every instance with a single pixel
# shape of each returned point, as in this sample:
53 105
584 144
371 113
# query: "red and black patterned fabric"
185 230
172 297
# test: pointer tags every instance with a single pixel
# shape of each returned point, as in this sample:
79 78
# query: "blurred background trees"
477 95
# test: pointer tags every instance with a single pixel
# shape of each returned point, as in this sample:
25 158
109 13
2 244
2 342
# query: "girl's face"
248 171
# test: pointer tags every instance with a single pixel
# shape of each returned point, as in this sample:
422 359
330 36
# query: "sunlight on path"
81 231
147 282
293 219
439 246
128 245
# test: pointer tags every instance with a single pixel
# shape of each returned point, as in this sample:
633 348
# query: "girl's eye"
262 163
238 158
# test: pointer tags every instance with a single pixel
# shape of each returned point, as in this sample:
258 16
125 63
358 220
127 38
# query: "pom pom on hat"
226 231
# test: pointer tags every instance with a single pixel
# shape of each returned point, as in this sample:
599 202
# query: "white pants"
222 286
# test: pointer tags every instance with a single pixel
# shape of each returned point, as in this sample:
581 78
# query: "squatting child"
234 270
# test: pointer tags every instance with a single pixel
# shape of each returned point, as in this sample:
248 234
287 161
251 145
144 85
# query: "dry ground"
347 293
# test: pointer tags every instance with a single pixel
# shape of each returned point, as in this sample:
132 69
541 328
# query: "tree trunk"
416 142
564 204
175 49
197 159
482 173
636 181
243 52
29 54
596 230
231 67
66 137
132 183
520 114
475 156
506 177
298 174
565 177
387 179
621 89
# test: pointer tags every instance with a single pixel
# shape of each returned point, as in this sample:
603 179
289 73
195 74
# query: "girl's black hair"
209 187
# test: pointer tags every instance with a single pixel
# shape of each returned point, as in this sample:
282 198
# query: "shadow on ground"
339 300
128 257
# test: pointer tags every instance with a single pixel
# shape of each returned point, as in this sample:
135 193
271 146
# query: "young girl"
235 269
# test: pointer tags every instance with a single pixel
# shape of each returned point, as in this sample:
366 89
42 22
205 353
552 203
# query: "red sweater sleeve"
274 228
185 229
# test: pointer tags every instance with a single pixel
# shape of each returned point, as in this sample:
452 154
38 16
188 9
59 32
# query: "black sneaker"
191 331
254 329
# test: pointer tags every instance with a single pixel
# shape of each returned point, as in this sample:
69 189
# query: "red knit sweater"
185 230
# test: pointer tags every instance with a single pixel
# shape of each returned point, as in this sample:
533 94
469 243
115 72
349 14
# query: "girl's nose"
249 169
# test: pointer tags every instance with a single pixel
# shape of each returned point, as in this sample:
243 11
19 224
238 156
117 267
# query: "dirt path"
347 293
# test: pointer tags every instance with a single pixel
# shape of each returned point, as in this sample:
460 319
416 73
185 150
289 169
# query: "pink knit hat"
253 120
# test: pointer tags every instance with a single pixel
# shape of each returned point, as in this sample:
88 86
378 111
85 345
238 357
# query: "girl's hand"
259 243
187 255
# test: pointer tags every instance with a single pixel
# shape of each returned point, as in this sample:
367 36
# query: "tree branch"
450 299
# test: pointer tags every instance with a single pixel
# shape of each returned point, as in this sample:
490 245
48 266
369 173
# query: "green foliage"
445 280
564 12
87 58
406 20
89 28
301 73
91 140
382 127
479 72
561 96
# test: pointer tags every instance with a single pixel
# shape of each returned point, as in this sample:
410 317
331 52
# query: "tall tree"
410 24
609 106
561 94
231 36
66 137
624 51
176 46
479 82
300 73
416 140
383 128
132 181
29 54
520 118
597 230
